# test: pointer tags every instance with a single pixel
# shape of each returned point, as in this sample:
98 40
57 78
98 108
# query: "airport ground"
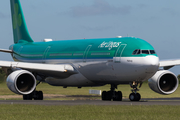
77 104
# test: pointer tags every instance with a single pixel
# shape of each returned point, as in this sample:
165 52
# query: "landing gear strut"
134 96
112 94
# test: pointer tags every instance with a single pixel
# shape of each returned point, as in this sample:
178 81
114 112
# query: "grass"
88 112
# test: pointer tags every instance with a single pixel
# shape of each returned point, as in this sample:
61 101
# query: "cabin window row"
76 54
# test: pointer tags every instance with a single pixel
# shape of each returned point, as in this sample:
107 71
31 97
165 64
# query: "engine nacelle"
163 82
21 82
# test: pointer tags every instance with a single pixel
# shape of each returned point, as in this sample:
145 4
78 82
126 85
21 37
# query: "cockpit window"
152 52
145 52
138 51
134 52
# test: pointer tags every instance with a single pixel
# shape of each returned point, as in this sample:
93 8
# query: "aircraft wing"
5 50
53 70
167 64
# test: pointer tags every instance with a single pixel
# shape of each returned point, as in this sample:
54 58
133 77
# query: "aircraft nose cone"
152 60
152 63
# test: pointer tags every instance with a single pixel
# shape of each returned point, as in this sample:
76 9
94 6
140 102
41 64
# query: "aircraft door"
86 53
117 58
45 54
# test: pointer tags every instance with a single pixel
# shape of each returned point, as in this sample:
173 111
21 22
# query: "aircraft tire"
108 96
138 96
118 96
27 97
38 95
104 93
132 97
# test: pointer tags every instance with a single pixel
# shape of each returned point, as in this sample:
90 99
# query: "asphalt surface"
157 101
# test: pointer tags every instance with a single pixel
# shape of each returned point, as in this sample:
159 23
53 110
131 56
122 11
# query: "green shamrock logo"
17 18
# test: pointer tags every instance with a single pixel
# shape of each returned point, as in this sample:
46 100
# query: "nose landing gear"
134 96
112 94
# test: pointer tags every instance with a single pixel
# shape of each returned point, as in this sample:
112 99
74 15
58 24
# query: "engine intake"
21 82
164 82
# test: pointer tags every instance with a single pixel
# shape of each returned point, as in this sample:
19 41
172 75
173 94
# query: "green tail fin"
20 30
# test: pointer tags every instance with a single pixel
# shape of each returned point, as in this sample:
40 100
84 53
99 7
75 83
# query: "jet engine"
21 82
163 82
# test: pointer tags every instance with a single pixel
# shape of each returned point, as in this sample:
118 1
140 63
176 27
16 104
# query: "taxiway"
148 101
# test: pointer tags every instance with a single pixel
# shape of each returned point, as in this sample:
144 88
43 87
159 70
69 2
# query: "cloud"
170 11
99 7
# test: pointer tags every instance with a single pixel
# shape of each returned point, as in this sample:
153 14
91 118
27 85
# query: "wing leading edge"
54 70
167 64
6 51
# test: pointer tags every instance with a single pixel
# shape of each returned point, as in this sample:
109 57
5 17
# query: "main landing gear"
36 95
117 95
112 94
134 96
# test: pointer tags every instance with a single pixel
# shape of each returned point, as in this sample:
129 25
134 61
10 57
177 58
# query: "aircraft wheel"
38 95
27 97
104 93
138 96
132 97
108 96
118 96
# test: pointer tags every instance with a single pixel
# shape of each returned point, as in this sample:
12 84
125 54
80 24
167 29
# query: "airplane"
83 63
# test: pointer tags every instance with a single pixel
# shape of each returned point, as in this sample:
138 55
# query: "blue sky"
157 22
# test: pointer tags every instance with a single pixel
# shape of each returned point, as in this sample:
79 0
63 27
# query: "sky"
157 22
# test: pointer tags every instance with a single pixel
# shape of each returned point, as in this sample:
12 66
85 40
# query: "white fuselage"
123 71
